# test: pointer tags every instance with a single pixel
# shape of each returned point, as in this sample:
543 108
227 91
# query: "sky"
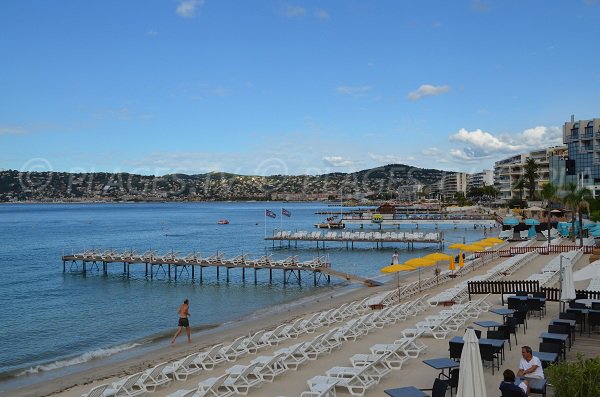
300 87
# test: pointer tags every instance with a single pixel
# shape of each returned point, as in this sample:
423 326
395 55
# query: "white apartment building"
480 179
507 172
453 183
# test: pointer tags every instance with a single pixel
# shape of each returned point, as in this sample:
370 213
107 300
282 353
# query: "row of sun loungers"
239 379
349 236
367 369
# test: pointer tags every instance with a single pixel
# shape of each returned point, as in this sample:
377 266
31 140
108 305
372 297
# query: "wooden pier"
174 264
351 237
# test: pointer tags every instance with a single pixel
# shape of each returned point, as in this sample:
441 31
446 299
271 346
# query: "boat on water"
223 222
331 223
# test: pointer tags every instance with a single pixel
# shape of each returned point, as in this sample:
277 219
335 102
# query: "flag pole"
265 214
281 220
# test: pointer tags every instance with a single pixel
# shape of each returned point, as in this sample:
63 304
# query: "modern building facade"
583 141
452 184
480 179
509 171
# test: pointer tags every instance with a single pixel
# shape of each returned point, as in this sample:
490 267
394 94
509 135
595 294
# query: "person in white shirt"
395 258
530 366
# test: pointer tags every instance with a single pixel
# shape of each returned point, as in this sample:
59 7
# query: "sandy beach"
293 383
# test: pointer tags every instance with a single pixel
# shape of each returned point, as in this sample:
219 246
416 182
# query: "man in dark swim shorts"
183 321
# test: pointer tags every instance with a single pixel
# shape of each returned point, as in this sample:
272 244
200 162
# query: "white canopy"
567 287
470 381
590 271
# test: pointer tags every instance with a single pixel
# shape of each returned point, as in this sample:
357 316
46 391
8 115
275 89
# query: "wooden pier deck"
351 237
177 265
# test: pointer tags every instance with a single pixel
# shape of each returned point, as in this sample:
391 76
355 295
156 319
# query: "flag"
286 212
270 214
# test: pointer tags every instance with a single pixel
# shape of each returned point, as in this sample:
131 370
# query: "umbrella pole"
398 279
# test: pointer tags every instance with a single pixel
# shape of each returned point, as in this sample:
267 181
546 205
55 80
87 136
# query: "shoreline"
159 349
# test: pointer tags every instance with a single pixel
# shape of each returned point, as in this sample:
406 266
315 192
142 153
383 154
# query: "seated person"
508 384
530 366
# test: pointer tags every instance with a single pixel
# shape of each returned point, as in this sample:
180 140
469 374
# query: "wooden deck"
176 265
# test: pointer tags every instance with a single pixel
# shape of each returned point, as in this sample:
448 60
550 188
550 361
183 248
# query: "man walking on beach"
183 321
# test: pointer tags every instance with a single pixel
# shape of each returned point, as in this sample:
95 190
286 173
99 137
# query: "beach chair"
293 356
321 390
379 367
154 377
209 359
126 387
356 382
242 377
255 342
315 348
277 335
295 329
234 350
97 391
212 387
183 368
269 366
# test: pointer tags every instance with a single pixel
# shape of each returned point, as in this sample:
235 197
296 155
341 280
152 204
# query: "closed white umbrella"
567 288
470 381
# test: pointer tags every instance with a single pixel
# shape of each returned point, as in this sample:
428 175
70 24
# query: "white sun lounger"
97 391
126 387
154 377
212 387
242 377
357 383
183 368
321 390
209 359
293 356
234 350
269 366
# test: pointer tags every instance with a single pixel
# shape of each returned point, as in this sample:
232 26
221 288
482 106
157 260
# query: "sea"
56 322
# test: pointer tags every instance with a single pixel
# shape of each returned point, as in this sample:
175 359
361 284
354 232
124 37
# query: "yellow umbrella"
484 243
437 256
397 268
419 262
457 246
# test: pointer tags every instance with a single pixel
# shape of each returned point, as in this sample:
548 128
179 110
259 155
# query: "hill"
380 182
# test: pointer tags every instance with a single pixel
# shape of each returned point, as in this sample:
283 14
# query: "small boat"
223 222
331 223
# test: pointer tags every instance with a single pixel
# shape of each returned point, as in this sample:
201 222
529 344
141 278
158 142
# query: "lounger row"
348 236
450 320
239 379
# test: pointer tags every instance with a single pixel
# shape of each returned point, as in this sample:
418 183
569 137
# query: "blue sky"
276 87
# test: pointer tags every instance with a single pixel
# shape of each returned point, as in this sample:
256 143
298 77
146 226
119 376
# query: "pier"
173 264
351 237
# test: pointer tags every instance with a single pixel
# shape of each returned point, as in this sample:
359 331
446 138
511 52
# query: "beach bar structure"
351 237
173 264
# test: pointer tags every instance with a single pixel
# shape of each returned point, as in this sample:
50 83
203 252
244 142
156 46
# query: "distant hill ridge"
52 186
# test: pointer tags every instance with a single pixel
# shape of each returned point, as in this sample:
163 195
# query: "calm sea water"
52 319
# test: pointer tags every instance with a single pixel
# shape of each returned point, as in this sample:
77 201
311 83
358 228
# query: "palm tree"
576 200
549 193
520 185
530 175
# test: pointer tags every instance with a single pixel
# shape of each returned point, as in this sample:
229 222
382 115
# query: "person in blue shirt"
508 384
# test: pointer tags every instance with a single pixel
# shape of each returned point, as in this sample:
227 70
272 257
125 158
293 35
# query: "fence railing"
529 286
544 250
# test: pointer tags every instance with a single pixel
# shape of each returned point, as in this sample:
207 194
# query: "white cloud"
322 14
356 91
188 8
294 11
152 33
428 90
483 143
338 161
